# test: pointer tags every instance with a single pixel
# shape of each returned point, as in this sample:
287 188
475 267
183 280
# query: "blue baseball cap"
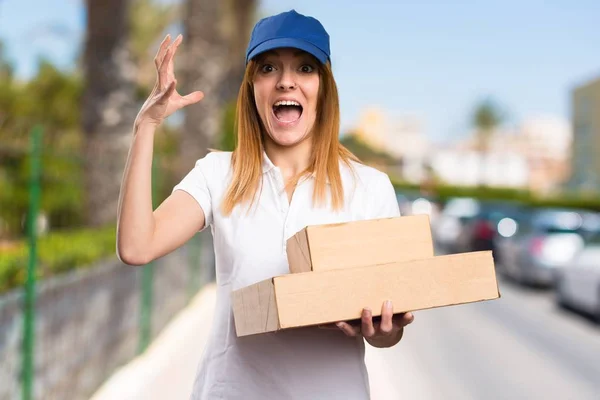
289 29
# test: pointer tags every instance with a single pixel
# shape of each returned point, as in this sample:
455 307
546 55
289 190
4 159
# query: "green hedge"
57 252
565 200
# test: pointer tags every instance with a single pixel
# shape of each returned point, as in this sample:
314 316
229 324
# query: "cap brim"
287 42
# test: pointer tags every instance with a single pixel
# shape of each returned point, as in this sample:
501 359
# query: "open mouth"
287 111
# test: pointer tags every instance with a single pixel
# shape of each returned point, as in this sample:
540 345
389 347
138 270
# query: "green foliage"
166 151
365 152
8 103
445 192
229 135
487 115
62 192
483 193
52 99
568 201
58 107
6 69
148 20
58 252
13 266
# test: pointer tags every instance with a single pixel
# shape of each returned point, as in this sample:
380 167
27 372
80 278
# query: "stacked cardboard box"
338 269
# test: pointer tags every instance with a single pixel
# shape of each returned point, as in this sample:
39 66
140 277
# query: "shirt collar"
267 164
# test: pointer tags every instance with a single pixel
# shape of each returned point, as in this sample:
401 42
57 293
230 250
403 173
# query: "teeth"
287 103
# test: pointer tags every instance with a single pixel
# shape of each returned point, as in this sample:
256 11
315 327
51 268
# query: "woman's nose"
286 81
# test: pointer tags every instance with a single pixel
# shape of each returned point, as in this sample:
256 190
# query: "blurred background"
486 115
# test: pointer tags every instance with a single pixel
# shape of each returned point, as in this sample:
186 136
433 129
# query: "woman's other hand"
383 333
164 99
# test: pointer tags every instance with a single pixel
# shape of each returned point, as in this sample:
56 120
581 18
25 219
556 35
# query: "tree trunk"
240 18
204 67
216 33
108 106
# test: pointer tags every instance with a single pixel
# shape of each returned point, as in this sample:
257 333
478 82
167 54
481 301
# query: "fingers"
165 68
165 45
404 319
389 323
191 98
166 74
174 46
163 80
348 329
367 328
161 51
387 313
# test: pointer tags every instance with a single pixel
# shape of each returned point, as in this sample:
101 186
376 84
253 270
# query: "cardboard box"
359 243
313 298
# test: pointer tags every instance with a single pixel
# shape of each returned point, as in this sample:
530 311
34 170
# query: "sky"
430 59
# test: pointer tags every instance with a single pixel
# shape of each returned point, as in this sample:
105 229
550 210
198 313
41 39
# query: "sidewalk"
167 369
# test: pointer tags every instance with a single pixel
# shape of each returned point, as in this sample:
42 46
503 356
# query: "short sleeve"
382 200
197 185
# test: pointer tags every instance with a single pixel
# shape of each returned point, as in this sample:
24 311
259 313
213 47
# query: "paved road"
518 347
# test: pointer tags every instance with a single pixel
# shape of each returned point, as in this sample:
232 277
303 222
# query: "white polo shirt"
305 363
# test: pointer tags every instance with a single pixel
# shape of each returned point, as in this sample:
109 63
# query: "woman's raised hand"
164 99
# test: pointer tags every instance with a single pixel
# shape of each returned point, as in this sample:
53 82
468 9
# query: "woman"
288 171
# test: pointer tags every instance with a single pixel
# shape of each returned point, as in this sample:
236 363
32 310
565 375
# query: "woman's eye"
267 68
307 68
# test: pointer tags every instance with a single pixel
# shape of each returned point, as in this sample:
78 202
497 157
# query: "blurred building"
500 165
402 137
546 144
468 167
372 128
585 103
535 155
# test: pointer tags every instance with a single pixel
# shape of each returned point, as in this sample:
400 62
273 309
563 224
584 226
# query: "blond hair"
327 151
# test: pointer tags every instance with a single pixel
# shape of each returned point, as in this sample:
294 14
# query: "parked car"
417 204
547 240
404 203
578 286
480 231
449 224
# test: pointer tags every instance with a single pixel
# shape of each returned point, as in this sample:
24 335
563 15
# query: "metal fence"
62 337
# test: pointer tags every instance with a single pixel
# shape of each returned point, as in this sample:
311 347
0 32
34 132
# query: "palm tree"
486 118
216 33
108 108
